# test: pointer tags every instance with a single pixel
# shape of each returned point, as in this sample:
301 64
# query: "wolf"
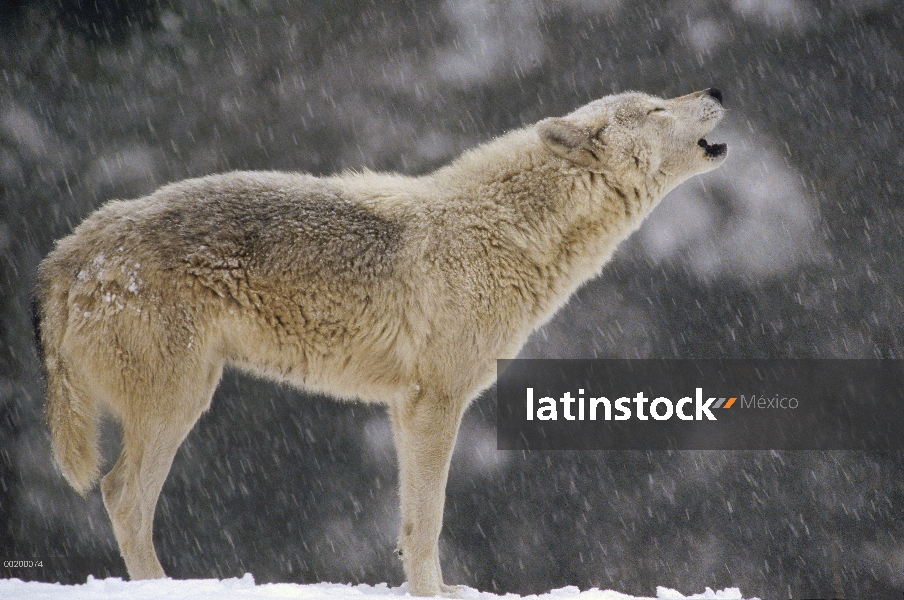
364 286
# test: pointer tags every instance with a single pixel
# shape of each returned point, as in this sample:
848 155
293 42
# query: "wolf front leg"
425 427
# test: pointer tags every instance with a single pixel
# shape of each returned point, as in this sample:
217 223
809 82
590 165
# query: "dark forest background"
792 249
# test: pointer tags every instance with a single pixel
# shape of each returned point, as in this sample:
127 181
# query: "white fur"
375 287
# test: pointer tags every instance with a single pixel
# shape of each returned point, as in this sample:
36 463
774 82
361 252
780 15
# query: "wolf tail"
71 413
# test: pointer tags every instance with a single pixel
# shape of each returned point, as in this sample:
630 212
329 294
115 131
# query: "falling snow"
791 249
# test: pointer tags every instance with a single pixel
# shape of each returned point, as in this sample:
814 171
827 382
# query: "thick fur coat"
381 288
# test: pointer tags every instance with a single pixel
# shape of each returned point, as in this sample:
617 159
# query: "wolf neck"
561 224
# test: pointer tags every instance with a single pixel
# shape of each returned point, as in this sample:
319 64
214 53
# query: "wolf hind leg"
132 487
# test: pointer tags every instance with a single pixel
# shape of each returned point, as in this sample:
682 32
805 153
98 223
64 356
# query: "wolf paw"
452 591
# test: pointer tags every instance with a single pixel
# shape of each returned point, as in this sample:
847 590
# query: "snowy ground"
245 588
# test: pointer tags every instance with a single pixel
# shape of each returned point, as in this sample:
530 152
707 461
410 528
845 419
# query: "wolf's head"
640 140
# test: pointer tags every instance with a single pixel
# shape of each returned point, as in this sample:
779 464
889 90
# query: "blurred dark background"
792 249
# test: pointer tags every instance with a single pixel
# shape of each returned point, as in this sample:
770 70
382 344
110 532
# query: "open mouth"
712 150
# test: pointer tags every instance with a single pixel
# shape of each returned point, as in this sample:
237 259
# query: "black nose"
714 93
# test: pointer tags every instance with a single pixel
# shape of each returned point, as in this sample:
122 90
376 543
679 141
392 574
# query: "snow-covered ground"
245 588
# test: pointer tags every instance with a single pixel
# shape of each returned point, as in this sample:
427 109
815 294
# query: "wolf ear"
569 141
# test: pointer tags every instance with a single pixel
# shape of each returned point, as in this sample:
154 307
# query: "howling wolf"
370 287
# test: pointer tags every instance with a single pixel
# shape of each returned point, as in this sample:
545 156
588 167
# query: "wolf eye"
657 109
